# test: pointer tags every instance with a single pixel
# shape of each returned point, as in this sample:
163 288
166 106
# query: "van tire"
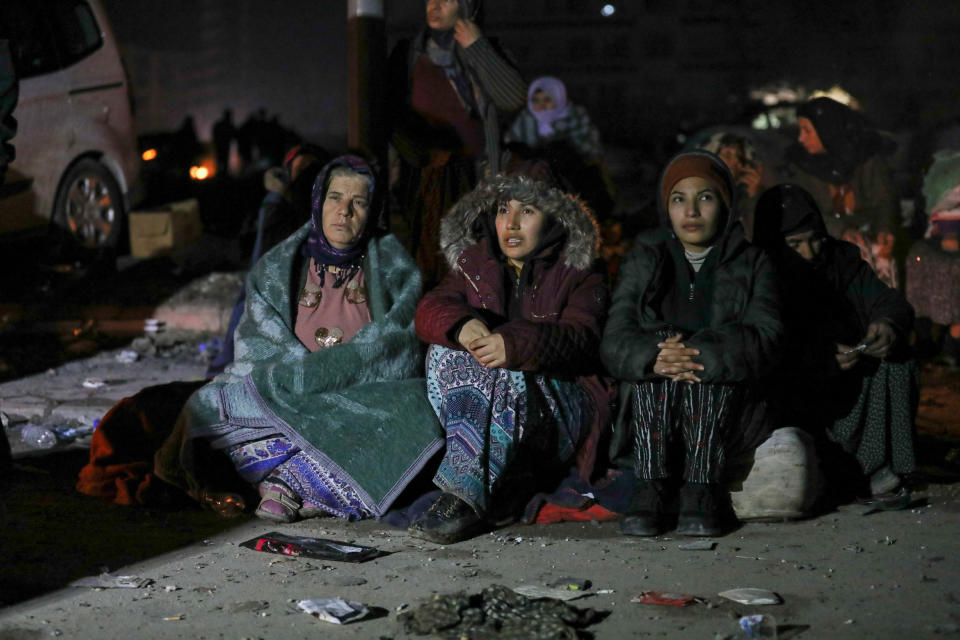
88 212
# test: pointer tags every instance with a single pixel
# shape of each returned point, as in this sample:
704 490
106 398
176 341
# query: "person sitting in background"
740 156
840 160
512 364
694 328
846 375
933 264
560 130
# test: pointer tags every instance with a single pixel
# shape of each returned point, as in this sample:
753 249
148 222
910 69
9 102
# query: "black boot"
704 510
646 514
449 519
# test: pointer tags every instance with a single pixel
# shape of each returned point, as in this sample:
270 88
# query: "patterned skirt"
879 427
314 483
508 432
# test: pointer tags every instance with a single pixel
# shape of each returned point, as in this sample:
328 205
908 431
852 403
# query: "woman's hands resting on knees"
879 339
675 361
487 348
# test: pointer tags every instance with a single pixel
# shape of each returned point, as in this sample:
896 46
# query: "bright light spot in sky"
608 10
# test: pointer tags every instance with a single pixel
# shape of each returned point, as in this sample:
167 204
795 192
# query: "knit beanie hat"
700 164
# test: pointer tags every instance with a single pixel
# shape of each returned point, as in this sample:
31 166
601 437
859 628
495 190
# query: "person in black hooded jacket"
693 328
847 376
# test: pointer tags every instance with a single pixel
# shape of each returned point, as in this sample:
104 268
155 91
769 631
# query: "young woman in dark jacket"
694 326
847 378
514 330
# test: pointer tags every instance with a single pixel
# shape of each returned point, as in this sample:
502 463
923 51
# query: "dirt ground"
841 574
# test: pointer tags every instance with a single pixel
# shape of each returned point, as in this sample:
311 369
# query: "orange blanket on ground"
123 446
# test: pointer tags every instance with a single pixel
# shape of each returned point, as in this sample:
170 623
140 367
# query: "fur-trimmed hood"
463 226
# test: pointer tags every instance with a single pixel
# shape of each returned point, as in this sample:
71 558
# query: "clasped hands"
675 361
487 348
878 341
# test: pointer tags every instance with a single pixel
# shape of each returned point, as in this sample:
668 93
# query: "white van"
76 156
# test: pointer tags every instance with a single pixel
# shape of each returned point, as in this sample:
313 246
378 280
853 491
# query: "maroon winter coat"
562 311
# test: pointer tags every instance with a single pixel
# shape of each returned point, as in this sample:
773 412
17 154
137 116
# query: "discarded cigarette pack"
335 610
323 549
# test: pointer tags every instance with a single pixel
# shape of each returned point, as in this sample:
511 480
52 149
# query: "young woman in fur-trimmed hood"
514 330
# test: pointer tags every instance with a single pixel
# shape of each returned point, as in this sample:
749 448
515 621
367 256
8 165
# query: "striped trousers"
668 417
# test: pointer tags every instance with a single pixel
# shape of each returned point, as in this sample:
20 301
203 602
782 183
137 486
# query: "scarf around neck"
441 48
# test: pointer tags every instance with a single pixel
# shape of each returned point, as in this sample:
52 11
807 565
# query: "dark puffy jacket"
736 296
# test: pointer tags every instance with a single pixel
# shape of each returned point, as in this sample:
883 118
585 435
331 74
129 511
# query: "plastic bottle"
38 437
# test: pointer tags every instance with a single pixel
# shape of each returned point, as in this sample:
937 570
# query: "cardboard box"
159 231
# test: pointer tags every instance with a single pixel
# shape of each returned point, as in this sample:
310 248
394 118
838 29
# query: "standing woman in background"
450 88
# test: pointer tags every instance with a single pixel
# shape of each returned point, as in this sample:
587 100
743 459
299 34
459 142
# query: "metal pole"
366 78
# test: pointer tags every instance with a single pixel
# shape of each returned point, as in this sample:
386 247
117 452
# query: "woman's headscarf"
317 246
813 290
846 135
554 88
784 210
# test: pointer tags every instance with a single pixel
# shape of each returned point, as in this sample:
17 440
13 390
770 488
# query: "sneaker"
449 519
701 511
645 515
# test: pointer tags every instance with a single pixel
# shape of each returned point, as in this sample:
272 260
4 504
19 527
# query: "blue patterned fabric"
486 414
315 483
255 460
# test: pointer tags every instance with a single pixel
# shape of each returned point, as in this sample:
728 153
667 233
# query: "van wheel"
88 209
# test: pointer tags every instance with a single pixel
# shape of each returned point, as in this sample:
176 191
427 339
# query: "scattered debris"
94 383
38 436
664 598
497 612
750 595
570 584
107 581
152 325
171 587
535 592
127 356
276 542
335 610
698 545
758 626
